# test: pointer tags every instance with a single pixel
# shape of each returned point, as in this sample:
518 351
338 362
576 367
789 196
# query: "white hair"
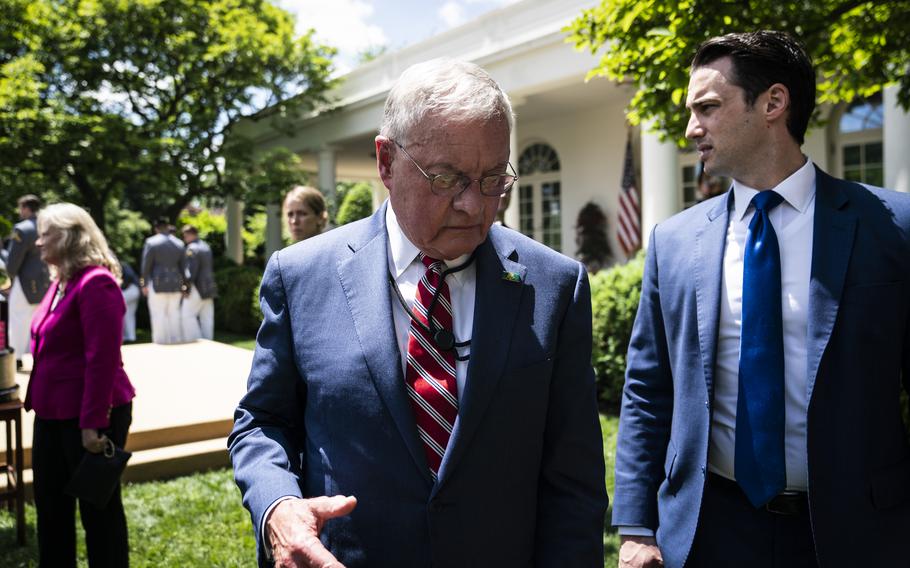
451 88
81 242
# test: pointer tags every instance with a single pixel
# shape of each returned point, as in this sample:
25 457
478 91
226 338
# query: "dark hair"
162 223
761 59
33 202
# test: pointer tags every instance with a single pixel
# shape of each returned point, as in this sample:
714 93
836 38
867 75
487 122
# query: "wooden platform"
183 410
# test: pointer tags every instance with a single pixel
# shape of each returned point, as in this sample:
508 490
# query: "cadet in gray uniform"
162 282
197 312
27 272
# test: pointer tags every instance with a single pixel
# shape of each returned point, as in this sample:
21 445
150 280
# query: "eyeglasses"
450 185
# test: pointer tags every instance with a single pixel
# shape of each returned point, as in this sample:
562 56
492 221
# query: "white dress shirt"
407 270
793 223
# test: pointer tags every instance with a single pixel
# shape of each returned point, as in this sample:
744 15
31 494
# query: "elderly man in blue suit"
761 423
422 391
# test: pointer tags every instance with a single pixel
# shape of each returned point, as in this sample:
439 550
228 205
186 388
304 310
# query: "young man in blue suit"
760 422
374 435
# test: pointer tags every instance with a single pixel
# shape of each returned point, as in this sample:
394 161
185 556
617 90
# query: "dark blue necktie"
759 460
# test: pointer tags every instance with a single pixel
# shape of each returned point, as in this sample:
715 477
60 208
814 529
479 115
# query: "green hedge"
237 306
614 303
357 204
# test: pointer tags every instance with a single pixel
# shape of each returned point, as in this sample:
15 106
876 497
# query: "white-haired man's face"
444 227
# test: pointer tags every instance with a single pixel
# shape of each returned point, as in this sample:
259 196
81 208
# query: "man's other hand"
293 529
639 552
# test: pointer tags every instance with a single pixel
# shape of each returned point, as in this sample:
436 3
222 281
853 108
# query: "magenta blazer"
78 371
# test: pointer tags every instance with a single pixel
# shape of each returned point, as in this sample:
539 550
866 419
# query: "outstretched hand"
293 530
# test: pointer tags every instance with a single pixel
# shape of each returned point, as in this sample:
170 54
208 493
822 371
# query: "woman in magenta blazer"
78 388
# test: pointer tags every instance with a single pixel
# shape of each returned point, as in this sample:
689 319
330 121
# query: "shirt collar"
404 252
797 190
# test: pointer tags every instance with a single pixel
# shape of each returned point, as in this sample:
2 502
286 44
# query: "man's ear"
384 160
777 103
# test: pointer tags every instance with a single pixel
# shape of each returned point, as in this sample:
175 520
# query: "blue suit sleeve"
647 407
572 496
268 435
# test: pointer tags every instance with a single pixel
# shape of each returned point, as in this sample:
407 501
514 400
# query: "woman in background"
78 388
305 211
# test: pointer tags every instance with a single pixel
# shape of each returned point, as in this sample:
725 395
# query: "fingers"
294 526
308 553
92 441
330 507
639 552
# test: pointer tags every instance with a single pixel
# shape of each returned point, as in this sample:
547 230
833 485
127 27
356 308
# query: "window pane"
526 210
874 153
852 156
853 174
875 176
552 215
689 194
688 174
538 158
863 114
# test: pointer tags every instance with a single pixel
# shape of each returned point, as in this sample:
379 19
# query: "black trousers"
56 451
731 532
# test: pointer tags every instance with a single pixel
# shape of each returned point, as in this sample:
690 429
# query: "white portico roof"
521 45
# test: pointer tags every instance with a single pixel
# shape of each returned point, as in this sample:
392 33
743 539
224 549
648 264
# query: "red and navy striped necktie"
430 374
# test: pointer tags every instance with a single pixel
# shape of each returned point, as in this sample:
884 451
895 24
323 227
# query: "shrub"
591 238
253 236
237 305
614 303
126 232
357 204
211 227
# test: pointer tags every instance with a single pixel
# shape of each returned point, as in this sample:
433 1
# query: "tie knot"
430 262
767 200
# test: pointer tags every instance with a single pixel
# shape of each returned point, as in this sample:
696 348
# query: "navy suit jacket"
522 482
858 347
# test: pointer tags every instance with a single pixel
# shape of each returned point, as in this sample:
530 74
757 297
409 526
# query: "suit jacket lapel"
833 234
495 308
708 261
364 277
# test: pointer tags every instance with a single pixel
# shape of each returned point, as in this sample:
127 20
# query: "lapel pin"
511 276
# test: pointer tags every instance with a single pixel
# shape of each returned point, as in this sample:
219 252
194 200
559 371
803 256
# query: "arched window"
539 198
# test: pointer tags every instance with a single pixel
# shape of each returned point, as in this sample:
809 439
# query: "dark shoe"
18 364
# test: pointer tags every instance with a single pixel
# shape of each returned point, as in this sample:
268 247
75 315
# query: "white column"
327 174
511 215
896 141
661 196
233 239
273 240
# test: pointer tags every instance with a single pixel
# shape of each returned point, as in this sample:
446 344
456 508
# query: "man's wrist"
264 536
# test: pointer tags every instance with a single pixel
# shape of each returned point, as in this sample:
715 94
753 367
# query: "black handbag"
97 475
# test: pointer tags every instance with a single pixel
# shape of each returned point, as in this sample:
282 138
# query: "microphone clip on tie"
442 338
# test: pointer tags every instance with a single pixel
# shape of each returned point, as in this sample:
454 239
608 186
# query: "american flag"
629 226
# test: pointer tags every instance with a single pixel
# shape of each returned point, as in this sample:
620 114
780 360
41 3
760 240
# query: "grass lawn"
609 425
194 521
198 521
